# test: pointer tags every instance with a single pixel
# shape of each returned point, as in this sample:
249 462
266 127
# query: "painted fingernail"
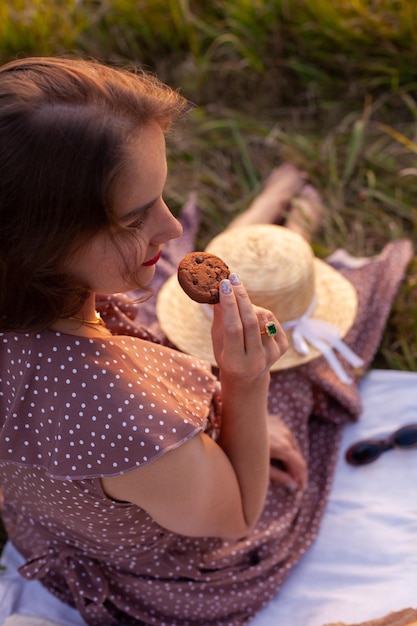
234 279
291 487
225 286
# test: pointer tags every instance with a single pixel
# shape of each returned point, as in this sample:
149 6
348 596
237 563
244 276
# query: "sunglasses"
369 450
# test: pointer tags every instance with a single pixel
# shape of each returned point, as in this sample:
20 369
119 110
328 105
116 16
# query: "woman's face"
141 210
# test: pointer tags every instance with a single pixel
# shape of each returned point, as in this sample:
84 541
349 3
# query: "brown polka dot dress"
74 409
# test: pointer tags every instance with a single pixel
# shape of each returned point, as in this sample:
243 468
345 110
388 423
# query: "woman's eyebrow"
138 210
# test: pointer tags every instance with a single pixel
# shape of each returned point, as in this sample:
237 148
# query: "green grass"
331 86
39 27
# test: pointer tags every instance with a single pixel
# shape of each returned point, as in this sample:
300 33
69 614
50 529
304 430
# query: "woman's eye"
137 224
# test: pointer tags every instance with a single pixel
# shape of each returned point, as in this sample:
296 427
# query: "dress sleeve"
102 408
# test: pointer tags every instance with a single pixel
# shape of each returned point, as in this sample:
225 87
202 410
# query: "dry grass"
329 86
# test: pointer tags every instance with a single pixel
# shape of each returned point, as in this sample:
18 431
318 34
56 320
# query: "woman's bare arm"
207 488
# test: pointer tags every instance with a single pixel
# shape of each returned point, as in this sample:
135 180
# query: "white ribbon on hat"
325 337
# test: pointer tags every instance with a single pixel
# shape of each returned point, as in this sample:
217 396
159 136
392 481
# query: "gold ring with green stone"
270 329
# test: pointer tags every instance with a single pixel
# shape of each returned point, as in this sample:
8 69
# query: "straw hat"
280 273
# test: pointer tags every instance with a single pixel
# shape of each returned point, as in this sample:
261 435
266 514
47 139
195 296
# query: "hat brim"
187 324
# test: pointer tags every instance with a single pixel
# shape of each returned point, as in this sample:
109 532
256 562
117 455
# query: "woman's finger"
240 324
286 455
254 332
296 467
279 475
238 344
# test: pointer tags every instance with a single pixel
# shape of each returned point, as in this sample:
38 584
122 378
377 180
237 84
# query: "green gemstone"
271 329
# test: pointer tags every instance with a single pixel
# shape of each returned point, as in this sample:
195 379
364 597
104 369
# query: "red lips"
152 261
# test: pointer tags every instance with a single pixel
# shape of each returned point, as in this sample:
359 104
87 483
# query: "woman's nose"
172 227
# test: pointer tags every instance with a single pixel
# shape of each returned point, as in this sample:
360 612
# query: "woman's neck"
85 323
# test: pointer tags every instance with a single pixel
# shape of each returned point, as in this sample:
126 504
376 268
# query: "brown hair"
64 127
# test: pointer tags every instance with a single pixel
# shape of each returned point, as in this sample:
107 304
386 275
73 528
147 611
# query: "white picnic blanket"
363 564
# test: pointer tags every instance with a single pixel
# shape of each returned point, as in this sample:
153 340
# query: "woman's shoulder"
95 406
59 352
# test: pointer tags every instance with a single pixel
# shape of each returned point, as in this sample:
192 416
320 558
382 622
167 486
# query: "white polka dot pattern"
110 558
97 407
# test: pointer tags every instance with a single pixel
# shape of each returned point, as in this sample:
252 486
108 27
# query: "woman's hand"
238 345
244 357
218 489
288 466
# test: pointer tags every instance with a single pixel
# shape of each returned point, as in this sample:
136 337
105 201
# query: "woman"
123 493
